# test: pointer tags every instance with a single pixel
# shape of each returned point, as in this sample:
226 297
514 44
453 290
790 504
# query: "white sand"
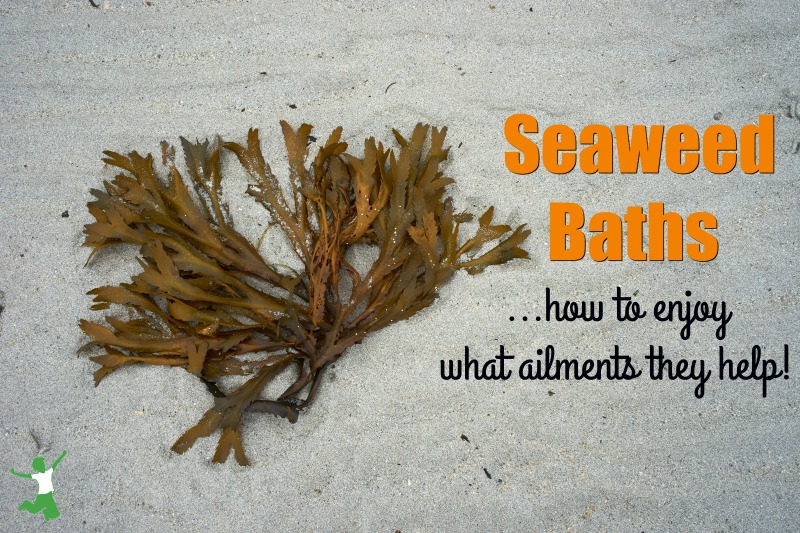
381 449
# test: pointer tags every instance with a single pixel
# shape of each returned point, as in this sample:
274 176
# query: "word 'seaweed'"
206 300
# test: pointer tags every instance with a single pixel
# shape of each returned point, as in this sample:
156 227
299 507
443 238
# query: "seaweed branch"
205 297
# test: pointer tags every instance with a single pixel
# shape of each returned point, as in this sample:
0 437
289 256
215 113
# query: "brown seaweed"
206 300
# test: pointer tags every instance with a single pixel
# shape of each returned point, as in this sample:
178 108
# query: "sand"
389 445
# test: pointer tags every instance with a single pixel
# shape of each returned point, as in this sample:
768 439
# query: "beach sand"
389 445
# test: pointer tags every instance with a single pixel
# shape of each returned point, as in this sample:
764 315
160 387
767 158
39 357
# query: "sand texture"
389 445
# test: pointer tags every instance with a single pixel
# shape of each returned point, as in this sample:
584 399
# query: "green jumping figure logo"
44 500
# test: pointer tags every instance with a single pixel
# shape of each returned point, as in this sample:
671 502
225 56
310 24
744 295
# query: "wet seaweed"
206 300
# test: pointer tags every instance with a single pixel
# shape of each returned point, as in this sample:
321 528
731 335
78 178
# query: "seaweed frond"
208 301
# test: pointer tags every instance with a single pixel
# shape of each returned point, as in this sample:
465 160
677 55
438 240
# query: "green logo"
44 500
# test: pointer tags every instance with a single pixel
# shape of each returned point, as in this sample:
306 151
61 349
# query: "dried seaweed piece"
205 296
